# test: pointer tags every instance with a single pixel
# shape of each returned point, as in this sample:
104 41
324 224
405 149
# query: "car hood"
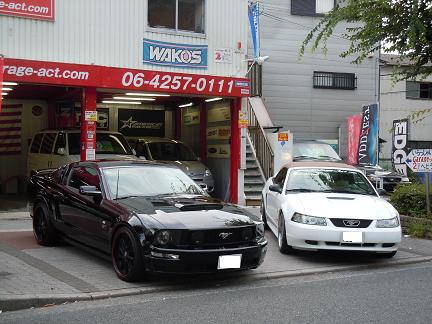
188 212
334 205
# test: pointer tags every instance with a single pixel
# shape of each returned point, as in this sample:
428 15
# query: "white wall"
394 105
111 32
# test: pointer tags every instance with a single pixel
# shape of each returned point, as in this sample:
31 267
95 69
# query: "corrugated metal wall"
288 80
110 32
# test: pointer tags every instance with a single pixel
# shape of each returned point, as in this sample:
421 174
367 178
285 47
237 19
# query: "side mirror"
381 192
275 188
89 191
61 151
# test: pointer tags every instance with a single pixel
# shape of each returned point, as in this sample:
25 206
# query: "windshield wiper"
301 190
306 157
126 197
329 157
346 191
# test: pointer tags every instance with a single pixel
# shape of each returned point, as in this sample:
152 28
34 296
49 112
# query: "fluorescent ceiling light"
4 93
121 102
7 89
186 105
213 99
147 94
9 83
129 98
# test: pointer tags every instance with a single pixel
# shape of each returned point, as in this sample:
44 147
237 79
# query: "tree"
403 26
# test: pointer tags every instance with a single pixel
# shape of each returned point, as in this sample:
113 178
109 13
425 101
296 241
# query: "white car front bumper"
330 237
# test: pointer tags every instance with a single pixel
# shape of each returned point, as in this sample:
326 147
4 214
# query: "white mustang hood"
334 205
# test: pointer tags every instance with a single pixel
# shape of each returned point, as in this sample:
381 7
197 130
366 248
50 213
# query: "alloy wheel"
124 255
40 226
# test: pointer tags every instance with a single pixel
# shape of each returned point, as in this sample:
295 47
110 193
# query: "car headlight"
260 230
207 173
387 223
308 220
163 237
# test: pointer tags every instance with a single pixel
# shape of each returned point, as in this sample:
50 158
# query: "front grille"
350 244
345 222
219 238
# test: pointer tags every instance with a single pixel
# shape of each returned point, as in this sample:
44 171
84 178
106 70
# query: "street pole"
427 193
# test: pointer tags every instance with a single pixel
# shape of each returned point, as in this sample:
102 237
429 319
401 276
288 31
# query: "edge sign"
32 9
399 146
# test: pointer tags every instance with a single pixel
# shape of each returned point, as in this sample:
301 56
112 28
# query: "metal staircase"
253 179
259 154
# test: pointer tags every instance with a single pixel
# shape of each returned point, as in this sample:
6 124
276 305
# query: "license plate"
232 261
352 237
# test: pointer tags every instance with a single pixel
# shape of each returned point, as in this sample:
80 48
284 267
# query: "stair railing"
263 150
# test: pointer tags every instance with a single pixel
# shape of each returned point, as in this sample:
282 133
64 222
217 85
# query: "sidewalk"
33 276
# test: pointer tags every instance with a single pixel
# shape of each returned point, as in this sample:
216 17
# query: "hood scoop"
340 198
194 207
164 206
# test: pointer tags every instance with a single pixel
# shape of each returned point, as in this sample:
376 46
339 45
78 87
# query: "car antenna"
118 178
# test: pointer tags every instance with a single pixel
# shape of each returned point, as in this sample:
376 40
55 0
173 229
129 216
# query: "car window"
60 142
318 151
106 143
329 180
149 180
279 179
36 143
47 143
84 176
167 151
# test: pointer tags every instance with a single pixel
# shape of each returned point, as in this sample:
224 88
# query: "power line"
281 19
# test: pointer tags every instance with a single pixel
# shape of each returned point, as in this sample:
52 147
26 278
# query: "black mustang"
147 216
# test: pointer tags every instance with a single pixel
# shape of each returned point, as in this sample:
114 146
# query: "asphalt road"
397 295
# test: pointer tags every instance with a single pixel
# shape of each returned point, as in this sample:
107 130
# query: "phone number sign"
119 78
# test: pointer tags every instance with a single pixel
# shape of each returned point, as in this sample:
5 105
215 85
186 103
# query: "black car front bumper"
203 261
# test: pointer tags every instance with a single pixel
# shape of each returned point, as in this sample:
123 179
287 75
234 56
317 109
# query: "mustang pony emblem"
223 235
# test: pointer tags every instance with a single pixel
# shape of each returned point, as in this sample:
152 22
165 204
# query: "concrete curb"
13 303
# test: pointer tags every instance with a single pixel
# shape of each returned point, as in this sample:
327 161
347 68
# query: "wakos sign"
171 54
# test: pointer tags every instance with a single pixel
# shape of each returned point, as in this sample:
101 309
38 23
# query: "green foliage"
410 199
419 115
417 230
404 26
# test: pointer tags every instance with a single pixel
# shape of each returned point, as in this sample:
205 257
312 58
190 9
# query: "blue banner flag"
254 24
368 141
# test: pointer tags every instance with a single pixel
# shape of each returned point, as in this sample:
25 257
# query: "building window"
178 15
418 90
311 7
331 80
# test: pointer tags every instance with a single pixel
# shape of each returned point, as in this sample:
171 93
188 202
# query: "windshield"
105 144
167 151
148 181
328 180
313 151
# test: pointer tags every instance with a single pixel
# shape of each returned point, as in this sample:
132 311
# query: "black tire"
282 240
43 229
263 213
387 255
126 256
